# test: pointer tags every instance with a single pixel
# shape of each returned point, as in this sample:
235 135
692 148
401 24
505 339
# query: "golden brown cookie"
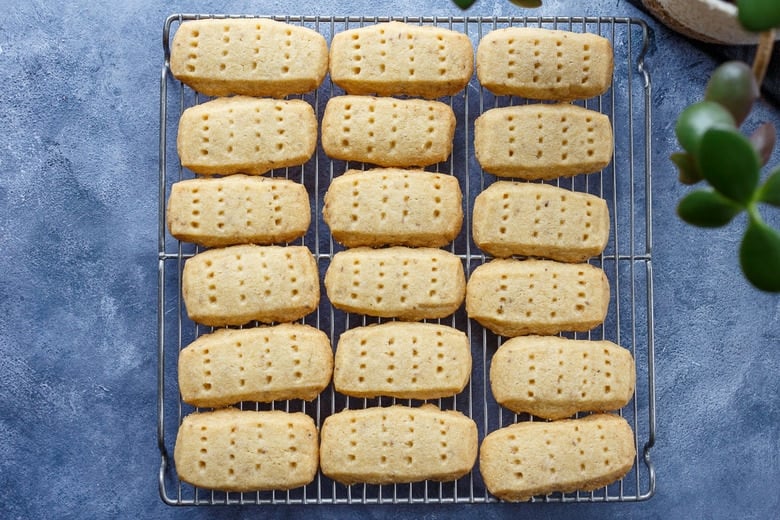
388 131
287 361
238 209
252 57
550 64
518 297
554 378
396 282
246 135
402 359
541 141
397 444
391 206
532 219
397 58
537 458
234 450
239 284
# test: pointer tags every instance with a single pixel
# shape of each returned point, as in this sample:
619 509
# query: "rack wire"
625 184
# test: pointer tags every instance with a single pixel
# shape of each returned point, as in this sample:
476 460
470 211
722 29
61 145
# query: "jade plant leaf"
527 3
758 15
763 139
759 256
707 209
696 119
729 163
733 85
770 191
688 169
464 4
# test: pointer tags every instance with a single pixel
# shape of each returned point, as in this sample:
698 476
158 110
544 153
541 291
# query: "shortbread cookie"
238 284
253 57
238 209
554 378
396 282
540 63
538 458
531 219
246 135
518 297
387 131
233 450
404 360
288 361
396 58
397 444
389 206
542 141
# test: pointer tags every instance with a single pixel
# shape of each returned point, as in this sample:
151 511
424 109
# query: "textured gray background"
78 229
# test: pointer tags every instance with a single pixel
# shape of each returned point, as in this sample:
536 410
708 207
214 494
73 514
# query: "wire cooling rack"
625 184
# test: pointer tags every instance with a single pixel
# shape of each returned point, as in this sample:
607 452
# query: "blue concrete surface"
78 282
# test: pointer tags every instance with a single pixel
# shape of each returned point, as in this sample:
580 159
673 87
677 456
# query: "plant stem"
752 210
763 56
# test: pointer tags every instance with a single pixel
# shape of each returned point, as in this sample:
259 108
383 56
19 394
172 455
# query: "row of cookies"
393 221
548 376
238 281
235 450
261 57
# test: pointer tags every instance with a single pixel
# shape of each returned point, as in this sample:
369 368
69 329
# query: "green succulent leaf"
464 4
759 256
733 85
696 119
770 191
758 15
763 140
730 164
707 209
688 169
527 3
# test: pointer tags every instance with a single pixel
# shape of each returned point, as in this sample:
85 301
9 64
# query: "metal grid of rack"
625 184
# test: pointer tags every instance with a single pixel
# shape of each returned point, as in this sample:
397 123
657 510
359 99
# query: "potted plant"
715 151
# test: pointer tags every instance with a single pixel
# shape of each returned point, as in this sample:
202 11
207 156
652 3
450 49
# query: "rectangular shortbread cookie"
238 209
518 297
542 141
396 58
540 63
233 450
402 359
396 282
553 377
246 135
238 284
389 206
288 361
537 458
397 444
387 131
531 219
253 57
